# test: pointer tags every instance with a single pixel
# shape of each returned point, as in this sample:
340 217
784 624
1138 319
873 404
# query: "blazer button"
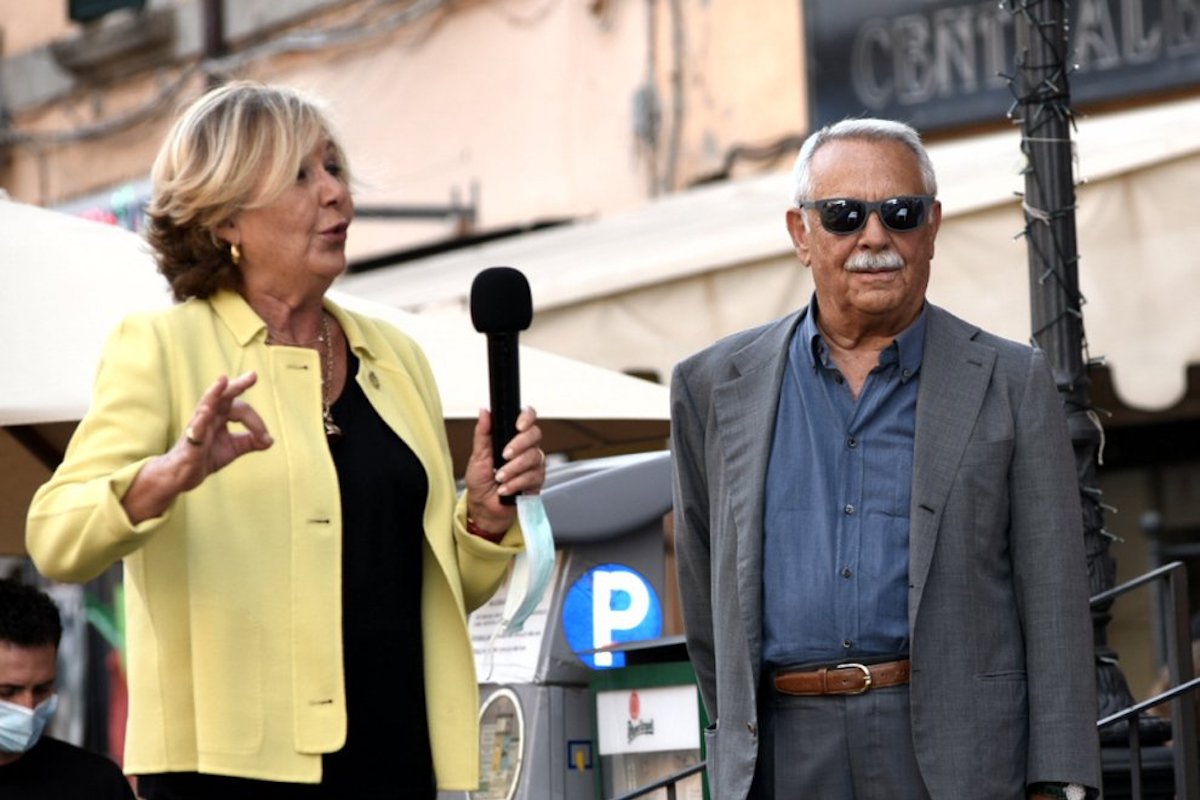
750 726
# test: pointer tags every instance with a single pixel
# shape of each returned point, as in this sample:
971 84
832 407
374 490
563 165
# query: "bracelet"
475 530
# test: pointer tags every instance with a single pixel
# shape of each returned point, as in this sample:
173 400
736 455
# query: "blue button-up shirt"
839 482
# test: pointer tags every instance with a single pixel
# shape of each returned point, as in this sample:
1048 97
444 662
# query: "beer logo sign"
637 726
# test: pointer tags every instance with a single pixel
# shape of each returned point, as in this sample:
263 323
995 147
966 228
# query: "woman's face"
300 238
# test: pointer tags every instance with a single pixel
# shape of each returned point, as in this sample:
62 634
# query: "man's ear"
935 224
799 234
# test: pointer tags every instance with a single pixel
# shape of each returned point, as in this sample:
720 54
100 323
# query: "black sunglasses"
843 215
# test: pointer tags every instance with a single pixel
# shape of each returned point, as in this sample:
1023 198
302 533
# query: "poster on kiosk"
648 724
567 711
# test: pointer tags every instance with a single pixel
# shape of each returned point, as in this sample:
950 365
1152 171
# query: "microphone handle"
505 378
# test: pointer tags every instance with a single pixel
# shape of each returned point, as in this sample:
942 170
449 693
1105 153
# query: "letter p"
610 589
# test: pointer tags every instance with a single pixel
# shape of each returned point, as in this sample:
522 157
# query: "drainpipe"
214 36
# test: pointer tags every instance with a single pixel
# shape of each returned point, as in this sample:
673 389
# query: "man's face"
27 673
889 295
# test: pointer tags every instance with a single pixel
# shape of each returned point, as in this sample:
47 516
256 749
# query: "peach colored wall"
747 86
24 25
540 118
53 172
531 102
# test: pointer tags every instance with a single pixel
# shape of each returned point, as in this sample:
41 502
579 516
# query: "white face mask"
533 568
21 727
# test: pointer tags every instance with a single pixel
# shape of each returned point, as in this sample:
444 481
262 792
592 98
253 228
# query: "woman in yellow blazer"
297 564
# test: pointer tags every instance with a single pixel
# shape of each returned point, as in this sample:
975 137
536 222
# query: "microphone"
501 307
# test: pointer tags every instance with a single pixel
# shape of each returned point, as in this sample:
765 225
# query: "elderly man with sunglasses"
878 522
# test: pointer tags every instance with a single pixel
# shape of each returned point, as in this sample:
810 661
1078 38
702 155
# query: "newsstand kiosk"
567 711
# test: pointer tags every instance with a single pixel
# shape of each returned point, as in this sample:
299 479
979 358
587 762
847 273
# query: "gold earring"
235 254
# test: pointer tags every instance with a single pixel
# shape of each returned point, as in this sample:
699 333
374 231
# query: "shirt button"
906 373
846 643
849 509
374 379
846 573
852 443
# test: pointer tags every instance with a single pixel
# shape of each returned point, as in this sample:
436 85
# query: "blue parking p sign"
610 604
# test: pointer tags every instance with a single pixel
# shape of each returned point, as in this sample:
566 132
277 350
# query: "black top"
387 753
56 770
383 504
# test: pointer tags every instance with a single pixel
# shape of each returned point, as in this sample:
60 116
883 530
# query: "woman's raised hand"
207 445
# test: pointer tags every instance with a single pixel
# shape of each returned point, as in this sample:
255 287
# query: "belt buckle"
866 675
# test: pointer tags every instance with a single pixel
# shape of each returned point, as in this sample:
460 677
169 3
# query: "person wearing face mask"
877 522
34 766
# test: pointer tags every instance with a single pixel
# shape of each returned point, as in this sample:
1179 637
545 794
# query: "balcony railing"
667 783
1182 681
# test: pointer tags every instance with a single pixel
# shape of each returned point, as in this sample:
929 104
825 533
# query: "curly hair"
28 617
237 147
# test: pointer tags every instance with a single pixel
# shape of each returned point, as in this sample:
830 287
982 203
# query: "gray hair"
868 129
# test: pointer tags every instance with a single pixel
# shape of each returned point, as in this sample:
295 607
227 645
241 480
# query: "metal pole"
214 35
1180 670
1042 108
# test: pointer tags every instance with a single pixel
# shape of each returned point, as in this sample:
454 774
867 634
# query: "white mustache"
867 261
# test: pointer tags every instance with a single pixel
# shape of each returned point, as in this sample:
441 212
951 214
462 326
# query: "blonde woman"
274 473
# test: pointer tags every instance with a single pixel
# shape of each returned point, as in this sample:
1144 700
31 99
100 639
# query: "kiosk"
538 696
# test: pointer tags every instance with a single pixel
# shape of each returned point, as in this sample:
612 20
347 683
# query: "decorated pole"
1042 109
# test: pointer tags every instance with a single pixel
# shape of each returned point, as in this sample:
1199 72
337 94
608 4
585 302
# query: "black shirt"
384 488
56 770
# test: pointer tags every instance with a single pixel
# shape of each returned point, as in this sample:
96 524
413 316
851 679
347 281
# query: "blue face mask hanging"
531 573
21 727
532 568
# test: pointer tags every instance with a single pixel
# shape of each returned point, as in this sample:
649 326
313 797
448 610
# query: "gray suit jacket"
1003 686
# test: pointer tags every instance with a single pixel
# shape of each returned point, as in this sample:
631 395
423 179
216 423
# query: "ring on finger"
191 437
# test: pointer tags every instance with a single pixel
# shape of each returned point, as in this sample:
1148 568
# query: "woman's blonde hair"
237 147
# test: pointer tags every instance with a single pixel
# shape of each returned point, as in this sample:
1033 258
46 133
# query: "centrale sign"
940 63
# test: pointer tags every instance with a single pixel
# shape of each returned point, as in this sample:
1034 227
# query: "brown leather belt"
842 679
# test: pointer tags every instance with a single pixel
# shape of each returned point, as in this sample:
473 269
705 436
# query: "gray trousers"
855 747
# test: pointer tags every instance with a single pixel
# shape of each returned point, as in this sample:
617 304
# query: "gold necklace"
324 346
273 337
332 432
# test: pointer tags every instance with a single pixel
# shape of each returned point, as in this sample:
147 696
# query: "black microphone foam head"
500 301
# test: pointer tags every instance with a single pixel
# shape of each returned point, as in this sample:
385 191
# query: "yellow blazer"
233 596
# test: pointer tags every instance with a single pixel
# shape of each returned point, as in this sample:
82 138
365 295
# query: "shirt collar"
809 337
909 343
246 325
238 316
